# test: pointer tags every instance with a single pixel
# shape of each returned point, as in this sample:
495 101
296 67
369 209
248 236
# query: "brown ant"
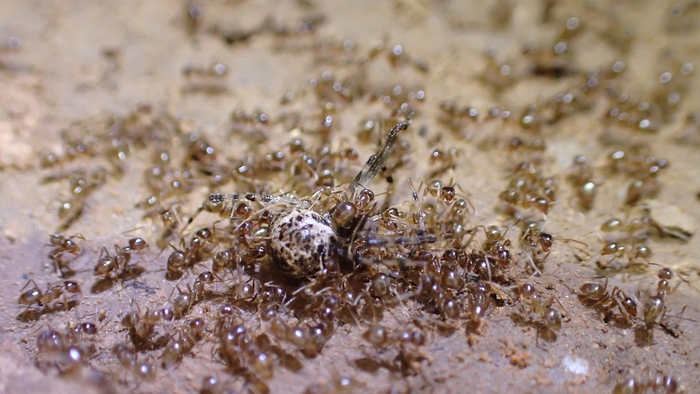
180 261
581 177
446 194
458 120
655 307
653 312
498 75
539 243
63 245
636 254
662 384
65 352
597 296
478 302
82 185
550 319
128 359
117 267
35 296
408 342
205 79
183 301
44 299
447 159
183 341
141 326
338 385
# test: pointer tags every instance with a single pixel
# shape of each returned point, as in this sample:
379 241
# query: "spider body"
300 241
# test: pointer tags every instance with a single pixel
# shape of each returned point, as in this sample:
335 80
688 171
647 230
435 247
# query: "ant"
129 361
33 295
64 352
595 295
581 177
662 384
186 337
478 302
111 268
636 256
141 326
62 245
458 120
181 260
663 289
447 194
447 159
539 243
183 301
207 80
655 307
550 318
495 245
408 341
82 185
340 385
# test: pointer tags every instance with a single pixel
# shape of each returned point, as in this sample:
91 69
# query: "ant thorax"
300 240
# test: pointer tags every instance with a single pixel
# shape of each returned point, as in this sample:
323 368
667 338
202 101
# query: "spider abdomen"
300 240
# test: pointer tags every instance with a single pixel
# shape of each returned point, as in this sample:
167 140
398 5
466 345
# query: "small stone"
672 221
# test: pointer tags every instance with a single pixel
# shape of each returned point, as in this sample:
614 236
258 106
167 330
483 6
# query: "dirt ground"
75 61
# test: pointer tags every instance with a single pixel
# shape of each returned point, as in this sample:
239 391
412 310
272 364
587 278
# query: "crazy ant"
597 296
183 301
550 319
117 267
128 359
581 177
407 341
458 120
208 80
180 261
447 159
656 383
539 243
63 245
655 307
82 185
33 295
445 193
142 326
478 302
65 352
496 246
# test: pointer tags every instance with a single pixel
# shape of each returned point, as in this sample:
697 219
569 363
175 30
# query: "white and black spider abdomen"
300 240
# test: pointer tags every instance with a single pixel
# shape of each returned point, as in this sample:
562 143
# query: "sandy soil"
79 60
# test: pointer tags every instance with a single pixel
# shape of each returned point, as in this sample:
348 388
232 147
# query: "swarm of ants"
264 277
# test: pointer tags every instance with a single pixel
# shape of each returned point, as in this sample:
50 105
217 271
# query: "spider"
302 241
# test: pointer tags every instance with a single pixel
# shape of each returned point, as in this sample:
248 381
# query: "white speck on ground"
575 365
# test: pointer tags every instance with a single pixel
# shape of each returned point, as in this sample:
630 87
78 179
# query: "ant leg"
560 304
488 267
27 284
533 265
